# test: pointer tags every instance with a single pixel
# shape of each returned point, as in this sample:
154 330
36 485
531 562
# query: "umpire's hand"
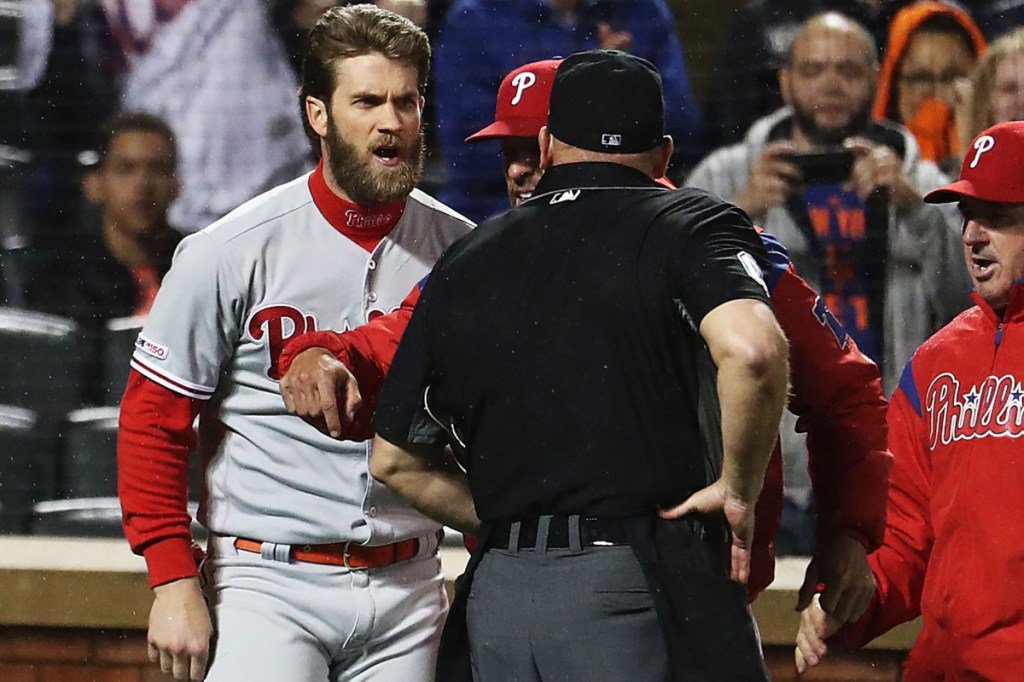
180 629
314 386
738 512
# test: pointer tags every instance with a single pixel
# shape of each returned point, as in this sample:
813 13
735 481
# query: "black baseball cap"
607 101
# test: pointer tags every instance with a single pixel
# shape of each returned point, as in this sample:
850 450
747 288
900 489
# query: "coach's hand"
841 564
740 514
180 629
314 386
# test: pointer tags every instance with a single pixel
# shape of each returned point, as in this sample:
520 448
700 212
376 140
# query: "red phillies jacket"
837 396
953 549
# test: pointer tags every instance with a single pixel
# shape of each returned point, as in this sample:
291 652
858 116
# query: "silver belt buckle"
345 554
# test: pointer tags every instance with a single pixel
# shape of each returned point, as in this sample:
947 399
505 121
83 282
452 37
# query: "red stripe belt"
347 554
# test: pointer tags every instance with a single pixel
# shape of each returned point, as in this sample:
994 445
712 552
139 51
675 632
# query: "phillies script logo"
275 325
994 407
366 221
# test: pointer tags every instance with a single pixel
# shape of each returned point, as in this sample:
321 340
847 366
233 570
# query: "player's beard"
828 137
364 180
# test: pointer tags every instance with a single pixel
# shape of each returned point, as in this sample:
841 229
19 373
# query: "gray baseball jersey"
237 291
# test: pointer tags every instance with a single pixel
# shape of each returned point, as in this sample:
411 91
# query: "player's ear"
544 139
316 114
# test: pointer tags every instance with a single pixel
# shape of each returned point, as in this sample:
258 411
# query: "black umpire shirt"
555 348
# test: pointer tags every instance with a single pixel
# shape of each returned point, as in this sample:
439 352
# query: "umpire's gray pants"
564 615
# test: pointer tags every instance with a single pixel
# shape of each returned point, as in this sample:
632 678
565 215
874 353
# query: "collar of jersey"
591 175
365 225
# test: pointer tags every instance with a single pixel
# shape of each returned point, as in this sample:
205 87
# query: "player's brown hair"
353 31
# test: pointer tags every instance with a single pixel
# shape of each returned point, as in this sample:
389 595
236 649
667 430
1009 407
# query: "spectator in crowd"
114 269
217 73
932 48
482 40
755 45
887 265
997 87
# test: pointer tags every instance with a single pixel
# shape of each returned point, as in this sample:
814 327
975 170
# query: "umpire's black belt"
563 532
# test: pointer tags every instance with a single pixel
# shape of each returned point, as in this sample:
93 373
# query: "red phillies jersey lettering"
276 324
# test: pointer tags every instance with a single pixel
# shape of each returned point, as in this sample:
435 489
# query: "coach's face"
829 82
370 132
994 248
521 157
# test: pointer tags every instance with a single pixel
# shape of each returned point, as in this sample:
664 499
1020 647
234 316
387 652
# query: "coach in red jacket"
837 392
953 549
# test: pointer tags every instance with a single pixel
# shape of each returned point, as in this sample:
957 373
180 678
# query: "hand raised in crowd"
772 179
815 627
841 564
315 385
877 167
180 629
610 39
740 515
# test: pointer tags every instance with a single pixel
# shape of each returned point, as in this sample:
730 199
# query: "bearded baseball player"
314 572
836 389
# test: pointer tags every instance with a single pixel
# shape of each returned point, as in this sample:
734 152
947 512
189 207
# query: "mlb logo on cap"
993 168
610 140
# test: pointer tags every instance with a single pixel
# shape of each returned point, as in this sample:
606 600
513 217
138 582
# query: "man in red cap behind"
952 551
836 389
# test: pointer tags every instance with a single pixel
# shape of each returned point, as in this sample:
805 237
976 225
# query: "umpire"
603 362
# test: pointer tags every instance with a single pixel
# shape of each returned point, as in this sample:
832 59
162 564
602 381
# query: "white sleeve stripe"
171 383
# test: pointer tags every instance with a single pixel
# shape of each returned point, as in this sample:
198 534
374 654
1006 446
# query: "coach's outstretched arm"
751 353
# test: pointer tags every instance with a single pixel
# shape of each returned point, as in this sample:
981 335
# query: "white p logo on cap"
521 82
982 145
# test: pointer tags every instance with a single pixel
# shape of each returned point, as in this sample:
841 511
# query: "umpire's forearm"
752 394
431 481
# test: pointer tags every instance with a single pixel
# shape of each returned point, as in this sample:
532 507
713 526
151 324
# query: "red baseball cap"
523 100
993 168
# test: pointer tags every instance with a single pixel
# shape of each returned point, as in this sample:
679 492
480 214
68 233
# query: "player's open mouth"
387 155
982 268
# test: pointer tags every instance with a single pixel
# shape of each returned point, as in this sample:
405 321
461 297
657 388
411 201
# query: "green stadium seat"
89 447
43 363
24 449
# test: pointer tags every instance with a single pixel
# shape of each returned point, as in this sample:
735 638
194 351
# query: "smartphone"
827 167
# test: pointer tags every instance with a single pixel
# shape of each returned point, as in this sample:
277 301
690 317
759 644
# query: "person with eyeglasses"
922 84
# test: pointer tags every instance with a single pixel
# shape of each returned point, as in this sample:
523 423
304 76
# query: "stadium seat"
89 447
118 345
88 517
43 364
23 449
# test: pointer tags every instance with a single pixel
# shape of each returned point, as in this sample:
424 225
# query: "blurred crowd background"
127 124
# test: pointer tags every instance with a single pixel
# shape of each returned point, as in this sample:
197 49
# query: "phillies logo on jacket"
992 408
277 324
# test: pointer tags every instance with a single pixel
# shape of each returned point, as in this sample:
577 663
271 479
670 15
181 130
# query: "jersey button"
371 265
371 512
371 297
